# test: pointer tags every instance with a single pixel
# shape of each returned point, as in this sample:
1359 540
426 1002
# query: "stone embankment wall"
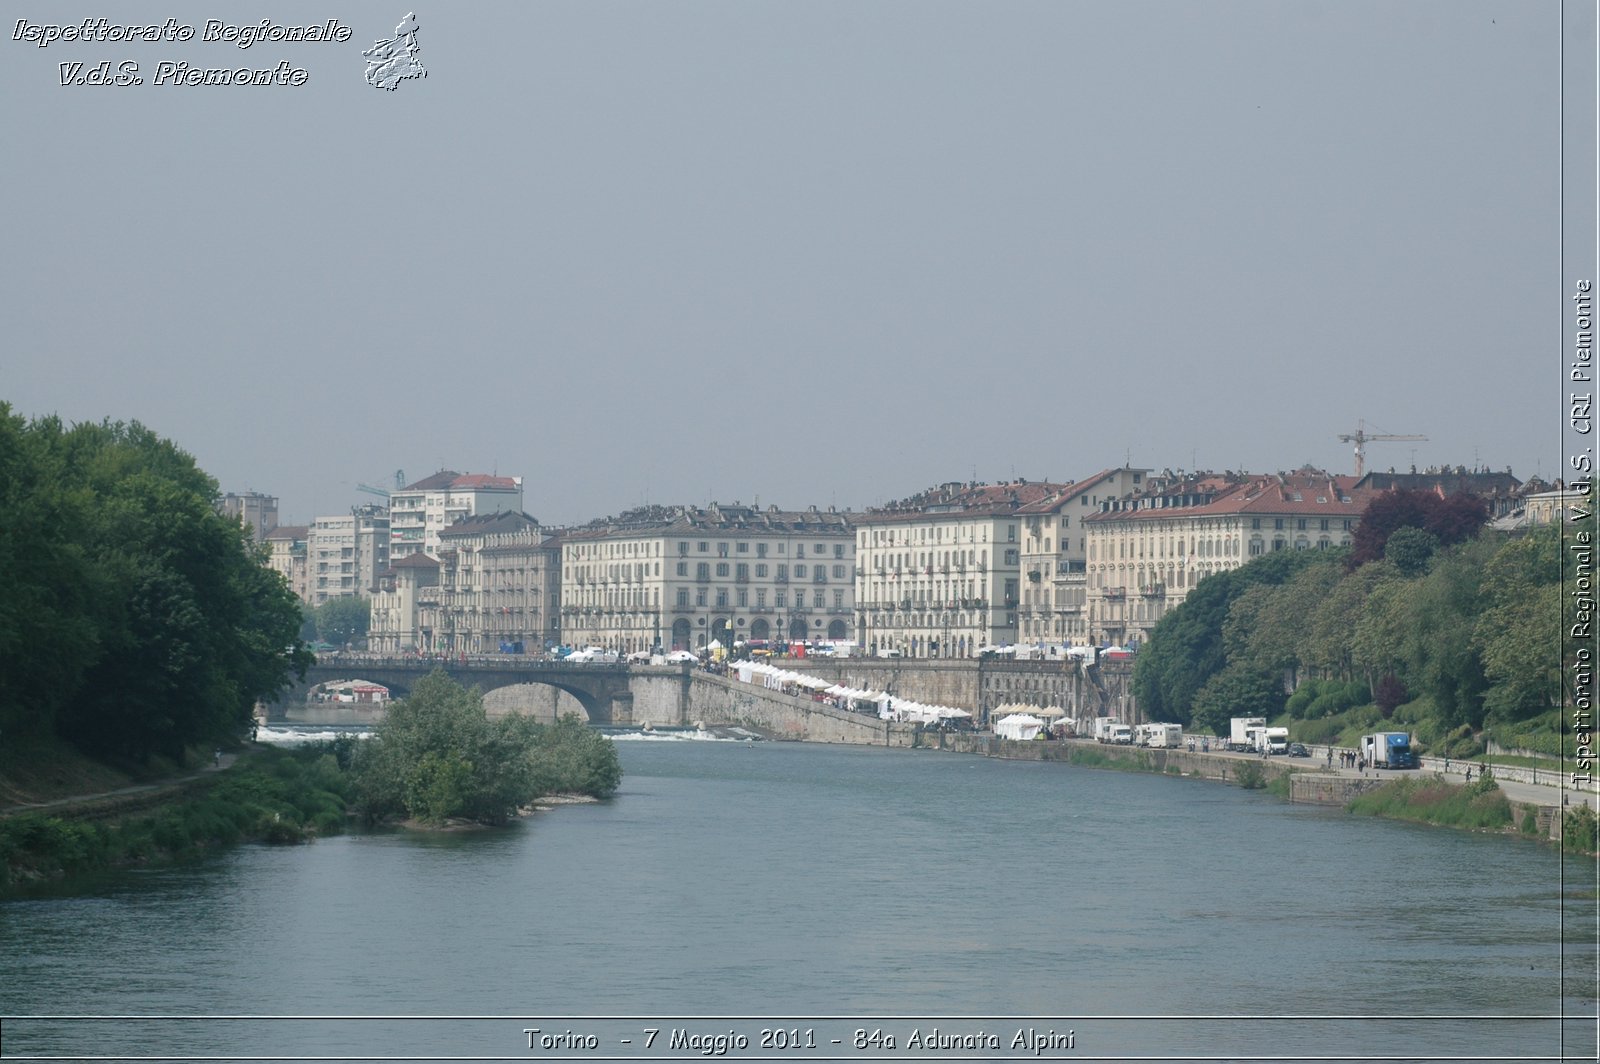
982 685
720 700
1169 762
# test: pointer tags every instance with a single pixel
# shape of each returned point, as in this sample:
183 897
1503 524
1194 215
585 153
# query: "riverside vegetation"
435 759
1430 622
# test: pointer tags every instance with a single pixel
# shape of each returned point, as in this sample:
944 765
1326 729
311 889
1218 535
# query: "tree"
143 621
343 620
1522 608
1410 549
1237 691
1187 646
436 756
1453 520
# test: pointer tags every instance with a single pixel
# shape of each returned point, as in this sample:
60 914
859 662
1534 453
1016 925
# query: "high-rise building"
344 555
258 512
419 512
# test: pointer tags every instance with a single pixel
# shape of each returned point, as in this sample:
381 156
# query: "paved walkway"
171 784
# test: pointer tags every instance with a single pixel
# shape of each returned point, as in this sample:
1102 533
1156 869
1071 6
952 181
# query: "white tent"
1018 726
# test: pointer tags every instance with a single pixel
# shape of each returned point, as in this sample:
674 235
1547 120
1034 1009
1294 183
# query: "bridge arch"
603 691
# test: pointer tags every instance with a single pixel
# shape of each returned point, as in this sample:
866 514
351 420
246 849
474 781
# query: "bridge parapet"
604 690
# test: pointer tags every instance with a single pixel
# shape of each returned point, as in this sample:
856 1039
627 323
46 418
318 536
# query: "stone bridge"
605 691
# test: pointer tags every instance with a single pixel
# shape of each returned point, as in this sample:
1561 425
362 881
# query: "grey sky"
820 253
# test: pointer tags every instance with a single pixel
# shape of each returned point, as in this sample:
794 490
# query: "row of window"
780 598
704 546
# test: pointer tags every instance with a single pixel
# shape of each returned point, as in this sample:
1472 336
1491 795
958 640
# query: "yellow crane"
1361 437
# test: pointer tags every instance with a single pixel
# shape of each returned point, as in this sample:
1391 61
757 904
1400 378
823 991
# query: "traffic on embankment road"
1529 786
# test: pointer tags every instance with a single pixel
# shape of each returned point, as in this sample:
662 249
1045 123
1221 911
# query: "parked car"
1298 750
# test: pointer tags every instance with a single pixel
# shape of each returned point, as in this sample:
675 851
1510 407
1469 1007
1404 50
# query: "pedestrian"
1469 773
216 758
1447 764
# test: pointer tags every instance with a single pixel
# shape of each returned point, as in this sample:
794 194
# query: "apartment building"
1147 550
396 623
420 512
345 554
939 574
1055 587
492 589
286 554
257 512
683 577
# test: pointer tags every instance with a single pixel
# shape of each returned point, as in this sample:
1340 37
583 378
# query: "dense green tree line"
437 756
135 618
1460 624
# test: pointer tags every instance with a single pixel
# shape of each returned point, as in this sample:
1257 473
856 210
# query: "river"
830 893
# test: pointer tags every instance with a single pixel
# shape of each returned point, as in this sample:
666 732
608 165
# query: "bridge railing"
355 659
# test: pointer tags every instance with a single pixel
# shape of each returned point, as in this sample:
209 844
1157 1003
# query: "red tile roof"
1303 494
484 482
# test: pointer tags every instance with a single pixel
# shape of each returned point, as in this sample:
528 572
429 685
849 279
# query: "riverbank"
269 795
1428 798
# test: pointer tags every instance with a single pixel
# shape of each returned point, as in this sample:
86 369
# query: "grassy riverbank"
272 795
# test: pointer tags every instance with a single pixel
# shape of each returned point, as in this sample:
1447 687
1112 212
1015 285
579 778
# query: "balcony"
1034 575
1115 593
1153 591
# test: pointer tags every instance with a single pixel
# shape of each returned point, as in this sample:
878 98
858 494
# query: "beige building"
419 513
286 554
939 574
344 555
492 589
681 577
1147 550
1054 603
396 624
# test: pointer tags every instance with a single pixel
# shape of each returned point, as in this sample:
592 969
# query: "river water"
863 895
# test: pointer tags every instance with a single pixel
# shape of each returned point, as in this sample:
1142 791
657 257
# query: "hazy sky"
820 253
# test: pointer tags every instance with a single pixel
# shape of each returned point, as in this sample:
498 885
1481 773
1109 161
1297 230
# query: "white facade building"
939 574
1147 551
681 577
419 512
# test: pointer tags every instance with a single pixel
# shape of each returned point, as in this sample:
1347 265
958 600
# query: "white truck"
1388 750
1239 737
1121 735
1159 736
1272 741
1102 728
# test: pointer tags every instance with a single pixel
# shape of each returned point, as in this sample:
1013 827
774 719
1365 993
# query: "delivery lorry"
1102 728
1239 733
1388 750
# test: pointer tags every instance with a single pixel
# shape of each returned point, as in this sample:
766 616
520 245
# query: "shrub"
1580 830
1249 775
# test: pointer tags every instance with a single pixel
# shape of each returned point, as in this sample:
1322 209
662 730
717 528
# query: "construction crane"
370 490
1361 437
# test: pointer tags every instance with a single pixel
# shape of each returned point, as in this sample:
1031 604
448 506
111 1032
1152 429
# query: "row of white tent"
1018 720
888 707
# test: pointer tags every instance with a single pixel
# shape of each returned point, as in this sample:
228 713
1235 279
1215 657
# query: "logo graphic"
391 62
